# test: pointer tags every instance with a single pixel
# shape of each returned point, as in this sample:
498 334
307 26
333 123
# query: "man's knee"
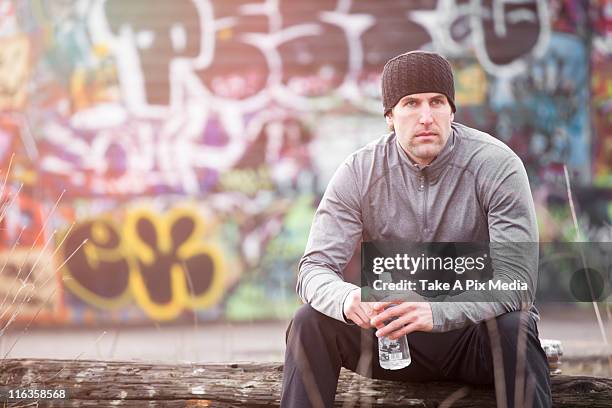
518 326
306 319
509 324
306 316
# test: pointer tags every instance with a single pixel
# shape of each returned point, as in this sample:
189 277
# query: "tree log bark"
140 384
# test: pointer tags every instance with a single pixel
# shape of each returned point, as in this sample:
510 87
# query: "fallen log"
140 384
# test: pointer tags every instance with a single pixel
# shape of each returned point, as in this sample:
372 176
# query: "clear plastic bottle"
393 354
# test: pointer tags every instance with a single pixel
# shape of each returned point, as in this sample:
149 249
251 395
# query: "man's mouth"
426 134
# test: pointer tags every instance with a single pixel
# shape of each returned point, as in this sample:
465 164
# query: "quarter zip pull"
421 182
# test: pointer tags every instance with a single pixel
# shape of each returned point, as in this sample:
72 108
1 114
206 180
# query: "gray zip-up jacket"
476 190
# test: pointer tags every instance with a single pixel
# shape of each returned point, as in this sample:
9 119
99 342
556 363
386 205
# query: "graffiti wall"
162 160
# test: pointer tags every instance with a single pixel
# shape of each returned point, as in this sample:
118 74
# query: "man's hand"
411 316
357 311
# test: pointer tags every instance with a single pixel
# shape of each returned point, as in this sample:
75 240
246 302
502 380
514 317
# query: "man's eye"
436 102
411 103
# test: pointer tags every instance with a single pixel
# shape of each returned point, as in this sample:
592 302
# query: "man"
429 180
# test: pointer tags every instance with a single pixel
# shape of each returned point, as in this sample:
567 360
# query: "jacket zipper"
423 188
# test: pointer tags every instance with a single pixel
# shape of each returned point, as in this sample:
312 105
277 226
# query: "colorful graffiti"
172 156
166 267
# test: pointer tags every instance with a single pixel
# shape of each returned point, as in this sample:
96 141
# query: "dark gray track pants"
318 346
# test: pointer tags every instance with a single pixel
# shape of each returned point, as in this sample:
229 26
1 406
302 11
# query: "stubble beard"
425 151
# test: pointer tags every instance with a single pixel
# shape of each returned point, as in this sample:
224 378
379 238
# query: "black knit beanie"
416 72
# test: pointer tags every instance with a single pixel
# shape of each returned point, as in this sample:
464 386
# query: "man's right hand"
357 311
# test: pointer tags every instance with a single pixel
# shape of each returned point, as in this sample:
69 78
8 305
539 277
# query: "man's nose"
425 115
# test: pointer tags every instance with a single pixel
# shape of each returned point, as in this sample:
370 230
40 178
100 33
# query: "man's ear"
452 116
389 119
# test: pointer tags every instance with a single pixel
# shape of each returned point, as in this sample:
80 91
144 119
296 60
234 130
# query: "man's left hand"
411 316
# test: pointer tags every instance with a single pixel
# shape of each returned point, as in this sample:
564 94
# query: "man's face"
422 123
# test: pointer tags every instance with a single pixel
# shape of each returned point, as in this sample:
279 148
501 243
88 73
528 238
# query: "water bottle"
393 354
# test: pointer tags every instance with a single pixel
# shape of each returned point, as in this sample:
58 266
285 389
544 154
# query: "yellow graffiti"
146 237
98 251
471 85
14 62
190 246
